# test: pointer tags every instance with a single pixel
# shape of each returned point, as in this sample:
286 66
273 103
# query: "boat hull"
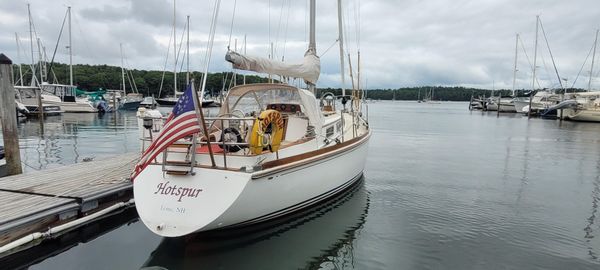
223 198
130 106
582 115
74 107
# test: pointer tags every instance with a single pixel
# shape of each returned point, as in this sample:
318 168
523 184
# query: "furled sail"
309 69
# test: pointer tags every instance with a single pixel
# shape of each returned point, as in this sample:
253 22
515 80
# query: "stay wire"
231 28
582 66
551 57
162 79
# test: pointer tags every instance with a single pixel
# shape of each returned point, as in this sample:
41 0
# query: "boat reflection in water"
320 236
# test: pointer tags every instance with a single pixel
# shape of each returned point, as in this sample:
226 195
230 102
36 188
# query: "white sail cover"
311 109
309 69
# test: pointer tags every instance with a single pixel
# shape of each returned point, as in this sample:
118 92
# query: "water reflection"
317 238
72 138
589 231
61 243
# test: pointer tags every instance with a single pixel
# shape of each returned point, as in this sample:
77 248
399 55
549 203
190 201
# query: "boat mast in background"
122 69
515 68
187 75
593 58
31 45
19 57
70 50
174 50
341 41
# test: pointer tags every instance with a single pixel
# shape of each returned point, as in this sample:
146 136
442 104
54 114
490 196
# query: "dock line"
69 225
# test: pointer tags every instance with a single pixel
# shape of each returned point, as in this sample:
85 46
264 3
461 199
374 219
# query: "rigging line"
269 44
58 41
130 73
129 79
528 60
544 64
85 42
345 26
551 57
582 66
287 22
306 22
278 29
133 80
162 79
180 46
356 25
231 28
332 44
359 22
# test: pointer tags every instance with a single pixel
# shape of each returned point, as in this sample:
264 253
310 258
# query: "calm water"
444 188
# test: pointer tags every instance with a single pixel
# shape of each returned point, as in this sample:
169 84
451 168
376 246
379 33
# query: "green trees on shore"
94 77
148 82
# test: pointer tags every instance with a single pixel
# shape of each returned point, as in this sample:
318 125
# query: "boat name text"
173 190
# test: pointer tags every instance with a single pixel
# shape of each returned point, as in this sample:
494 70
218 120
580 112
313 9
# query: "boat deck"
33 202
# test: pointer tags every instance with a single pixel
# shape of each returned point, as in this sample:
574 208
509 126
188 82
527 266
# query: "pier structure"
44 204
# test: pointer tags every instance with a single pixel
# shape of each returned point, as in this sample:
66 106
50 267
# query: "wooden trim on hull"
299 206
287 163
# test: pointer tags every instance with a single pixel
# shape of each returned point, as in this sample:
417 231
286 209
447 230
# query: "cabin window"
329 131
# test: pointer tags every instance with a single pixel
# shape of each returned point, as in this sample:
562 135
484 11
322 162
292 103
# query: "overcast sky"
402 42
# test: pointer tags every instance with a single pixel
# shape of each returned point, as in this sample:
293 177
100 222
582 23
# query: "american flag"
181 122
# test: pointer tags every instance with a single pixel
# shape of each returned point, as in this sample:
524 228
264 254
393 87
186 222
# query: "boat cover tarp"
565 104
309 69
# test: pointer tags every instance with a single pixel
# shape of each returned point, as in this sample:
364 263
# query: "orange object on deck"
204 149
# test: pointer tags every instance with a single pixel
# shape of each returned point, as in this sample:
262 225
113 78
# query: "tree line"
148 82
441 93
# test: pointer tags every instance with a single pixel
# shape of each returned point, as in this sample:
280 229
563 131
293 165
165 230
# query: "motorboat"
27 97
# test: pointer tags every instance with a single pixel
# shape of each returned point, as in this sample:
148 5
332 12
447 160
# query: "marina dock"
34 202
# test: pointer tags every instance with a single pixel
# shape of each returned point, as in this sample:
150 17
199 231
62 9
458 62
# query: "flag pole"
202 123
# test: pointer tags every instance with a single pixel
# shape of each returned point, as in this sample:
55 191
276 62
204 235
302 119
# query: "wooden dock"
34 202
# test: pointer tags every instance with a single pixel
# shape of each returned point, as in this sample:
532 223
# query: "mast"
31 41
592 68
122 69
341 40
70 50
187 75
358 89
40 59
312 45
19 56
515 69
244 54
537 22
174 51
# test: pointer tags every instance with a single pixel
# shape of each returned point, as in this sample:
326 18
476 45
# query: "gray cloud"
402 43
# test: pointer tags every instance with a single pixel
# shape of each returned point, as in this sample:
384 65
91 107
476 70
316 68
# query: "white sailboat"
588 103
238 169
53 95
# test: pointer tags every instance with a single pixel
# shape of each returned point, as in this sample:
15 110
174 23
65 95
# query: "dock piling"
8 116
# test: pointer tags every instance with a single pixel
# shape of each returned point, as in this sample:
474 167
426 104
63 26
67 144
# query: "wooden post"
9 118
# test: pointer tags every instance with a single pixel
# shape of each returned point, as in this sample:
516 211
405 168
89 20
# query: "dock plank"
82 180
14 206
34 201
